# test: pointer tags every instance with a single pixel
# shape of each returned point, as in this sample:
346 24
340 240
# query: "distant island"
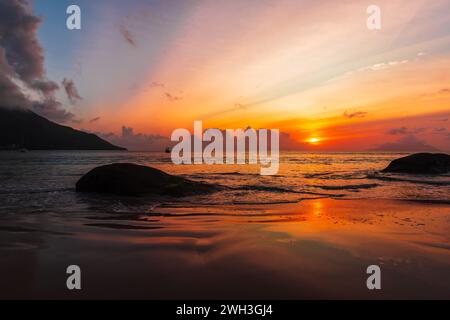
24 129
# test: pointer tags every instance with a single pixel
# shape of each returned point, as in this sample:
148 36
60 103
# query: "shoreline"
314 249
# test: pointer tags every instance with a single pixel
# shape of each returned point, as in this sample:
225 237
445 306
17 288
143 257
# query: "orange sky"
309 68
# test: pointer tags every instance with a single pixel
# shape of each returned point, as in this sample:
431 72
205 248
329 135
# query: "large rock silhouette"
128 179
421 163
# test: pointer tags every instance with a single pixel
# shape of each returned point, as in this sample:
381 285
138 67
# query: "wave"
219 214
430 201
235 174
348 187
284 190
261 203
316 175
35 191
358 175
121 226
266 188
405 179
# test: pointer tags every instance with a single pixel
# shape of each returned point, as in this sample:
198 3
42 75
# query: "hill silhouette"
26 129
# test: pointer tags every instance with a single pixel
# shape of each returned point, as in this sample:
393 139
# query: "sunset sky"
309 68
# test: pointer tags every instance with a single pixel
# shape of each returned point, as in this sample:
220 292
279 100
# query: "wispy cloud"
96 119
71 90
128 36
405 131
171 97
442 131
352 115
156 84
408 143
383 65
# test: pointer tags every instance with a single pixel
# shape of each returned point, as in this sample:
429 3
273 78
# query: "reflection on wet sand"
314 249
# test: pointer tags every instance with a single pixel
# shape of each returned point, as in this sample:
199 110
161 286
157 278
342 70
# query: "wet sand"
314 249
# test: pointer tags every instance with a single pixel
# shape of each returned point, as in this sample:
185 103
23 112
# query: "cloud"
358 114
156 84
77 121
94 120
47 88
240 106
442 131
128 36
395 131
71 90
408 143
383 65
127 132
172 97
441 93
23 82
137 141
52 109
405 130
154 142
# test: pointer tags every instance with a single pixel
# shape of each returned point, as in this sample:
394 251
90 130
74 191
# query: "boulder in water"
128 179
421 163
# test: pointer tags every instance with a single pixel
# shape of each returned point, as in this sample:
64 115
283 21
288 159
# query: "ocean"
308 232
44 181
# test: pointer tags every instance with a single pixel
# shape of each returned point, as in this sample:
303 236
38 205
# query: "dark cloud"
405 130
358 114
71 90
52 109
10 94
18 36
408 143
94 120
128 36
23 82
46 87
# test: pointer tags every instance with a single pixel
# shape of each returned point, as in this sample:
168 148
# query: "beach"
250 243
316 249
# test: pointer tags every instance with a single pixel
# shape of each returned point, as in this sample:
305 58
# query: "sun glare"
313 140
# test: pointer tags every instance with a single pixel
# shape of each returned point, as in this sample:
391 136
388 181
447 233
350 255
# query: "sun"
313 140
